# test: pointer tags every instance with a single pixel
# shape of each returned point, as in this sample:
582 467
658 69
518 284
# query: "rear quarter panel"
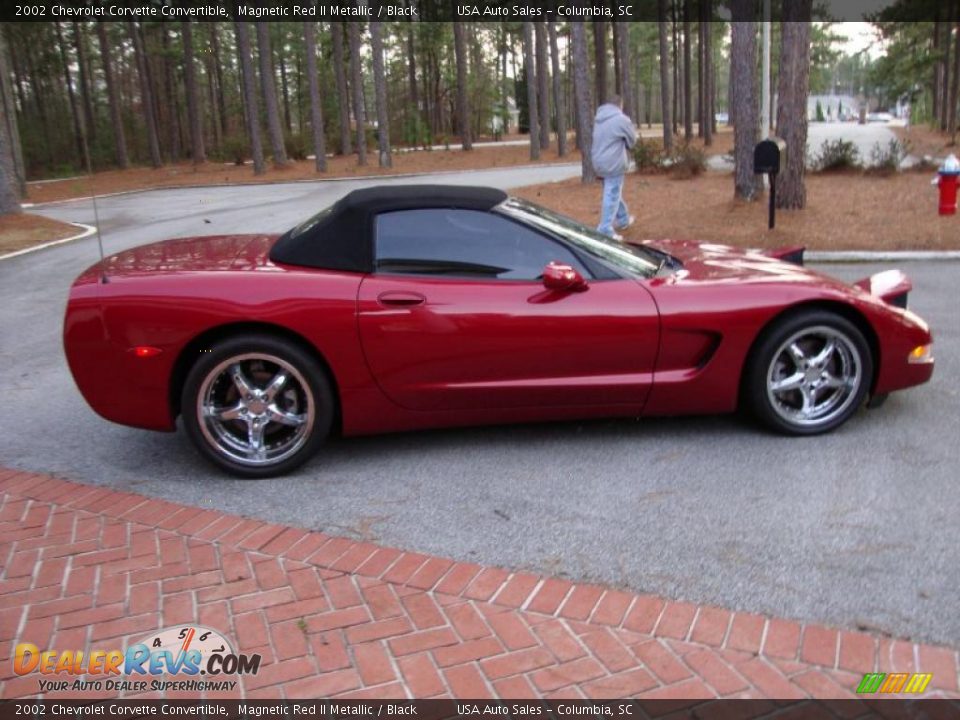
168 311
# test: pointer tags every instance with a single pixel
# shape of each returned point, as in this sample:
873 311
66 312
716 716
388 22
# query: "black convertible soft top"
341 237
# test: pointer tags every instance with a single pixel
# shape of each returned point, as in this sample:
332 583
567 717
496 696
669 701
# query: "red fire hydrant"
947 178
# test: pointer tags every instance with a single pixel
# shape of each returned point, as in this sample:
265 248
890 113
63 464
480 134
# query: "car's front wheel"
257 405
809 373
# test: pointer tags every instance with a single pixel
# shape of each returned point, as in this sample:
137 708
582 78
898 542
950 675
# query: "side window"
463 243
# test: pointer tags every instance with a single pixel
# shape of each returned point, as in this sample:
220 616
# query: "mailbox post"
768 156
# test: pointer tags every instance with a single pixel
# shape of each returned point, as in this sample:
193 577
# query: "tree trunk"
380 88
532 110
218 74
600 60
687 76
954 85
543 83
40 101
559 104
582 103
269 90
463 104
116 118
937 69
675 49
945 77
412 78
792 91
621 38
706 55
193 97
208 63
78 131
83 66
284 85
12 182
316 109
146 93
743 109
168 111
356 80
665 114
343 96
244 54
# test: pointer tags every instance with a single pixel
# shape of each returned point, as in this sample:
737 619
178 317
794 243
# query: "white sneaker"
630 222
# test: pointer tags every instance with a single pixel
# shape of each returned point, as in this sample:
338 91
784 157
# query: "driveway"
856 529
864 137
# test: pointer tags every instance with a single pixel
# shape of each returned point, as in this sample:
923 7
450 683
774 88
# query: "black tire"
284 425
795 385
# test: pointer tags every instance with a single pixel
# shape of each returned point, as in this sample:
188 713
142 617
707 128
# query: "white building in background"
834 107
512 118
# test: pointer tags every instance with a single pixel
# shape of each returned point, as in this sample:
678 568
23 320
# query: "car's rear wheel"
809 373
257 405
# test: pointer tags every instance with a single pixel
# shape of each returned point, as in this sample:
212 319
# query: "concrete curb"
88 230
349 178
863 256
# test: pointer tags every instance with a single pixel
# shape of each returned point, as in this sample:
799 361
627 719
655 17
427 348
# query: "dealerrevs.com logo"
184 653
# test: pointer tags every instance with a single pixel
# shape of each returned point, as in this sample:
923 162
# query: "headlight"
921 355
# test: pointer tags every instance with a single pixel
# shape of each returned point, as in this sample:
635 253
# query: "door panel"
500 344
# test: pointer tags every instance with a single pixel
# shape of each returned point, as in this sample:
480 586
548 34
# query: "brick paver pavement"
88 567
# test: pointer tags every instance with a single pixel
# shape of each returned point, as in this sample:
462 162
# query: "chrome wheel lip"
826 374
258 410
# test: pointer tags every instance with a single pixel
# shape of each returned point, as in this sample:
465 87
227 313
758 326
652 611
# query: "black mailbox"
769 156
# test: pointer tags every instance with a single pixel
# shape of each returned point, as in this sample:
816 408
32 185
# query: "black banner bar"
436 10
477 709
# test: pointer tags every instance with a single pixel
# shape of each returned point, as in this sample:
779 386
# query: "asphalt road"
858 528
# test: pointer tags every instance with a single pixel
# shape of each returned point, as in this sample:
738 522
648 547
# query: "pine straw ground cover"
24 230
848 211
216 173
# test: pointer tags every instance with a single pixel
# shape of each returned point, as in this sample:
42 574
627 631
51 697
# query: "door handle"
402 299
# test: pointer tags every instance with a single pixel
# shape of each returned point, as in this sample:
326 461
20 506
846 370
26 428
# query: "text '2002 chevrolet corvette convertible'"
419 306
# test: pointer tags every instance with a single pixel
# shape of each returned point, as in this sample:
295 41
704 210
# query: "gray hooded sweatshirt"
613 133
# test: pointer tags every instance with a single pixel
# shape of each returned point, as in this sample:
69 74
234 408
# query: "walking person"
613 135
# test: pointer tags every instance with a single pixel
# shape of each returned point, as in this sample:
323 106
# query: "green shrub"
648 155
837 155
687 161
235 149
295 146
887 161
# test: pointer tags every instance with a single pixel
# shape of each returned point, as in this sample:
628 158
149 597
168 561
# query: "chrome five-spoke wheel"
259 405
809 373
814 375
256 408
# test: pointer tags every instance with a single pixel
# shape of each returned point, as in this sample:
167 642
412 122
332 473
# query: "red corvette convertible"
427 306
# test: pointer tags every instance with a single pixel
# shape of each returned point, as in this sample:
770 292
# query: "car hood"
713 262
195 254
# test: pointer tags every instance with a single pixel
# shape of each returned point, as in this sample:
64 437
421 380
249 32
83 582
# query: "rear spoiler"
891 286
790 253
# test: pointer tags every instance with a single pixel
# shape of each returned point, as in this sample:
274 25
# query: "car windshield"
634 259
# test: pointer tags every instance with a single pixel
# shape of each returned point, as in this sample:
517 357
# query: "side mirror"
563 278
